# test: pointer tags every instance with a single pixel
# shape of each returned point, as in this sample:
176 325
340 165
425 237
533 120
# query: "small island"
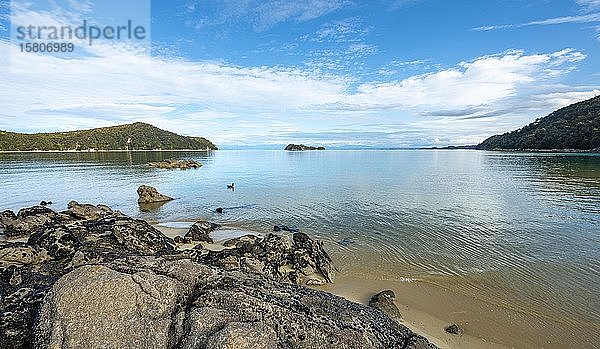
301 147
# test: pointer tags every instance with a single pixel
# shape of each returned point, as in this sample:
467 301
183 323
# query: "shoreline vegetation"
138 136
576 126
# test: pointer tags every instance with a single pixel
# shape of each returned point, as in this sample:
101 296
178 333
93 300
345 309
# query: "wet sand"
428 307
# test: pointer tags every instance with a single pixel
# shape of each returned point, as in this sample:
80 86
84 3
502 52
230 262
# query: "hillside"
576 126
137 136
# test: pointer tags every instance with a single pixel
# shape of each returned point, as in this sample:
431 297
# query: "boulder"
243 335
148 194
454 329
90 212
28 220
21 254
200 231
295 260
117 282
239 304
384 301
118 310
282 227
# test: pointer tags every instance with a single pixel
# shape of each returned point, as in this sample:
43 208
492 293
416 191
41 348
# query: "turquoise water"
519 229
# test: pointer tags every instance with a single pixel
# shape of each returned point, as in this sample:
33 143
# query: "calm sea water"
521 230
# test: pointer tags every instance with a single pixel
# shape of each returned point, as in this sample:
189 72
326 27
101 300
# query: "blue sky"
392 73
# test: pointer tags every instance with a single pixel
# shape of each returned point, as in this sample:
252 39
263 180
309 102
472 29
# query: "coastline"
108 151
90 276
511 151
428 306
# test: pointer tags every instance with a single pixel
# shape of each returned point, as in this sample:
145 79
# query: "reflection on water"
517 229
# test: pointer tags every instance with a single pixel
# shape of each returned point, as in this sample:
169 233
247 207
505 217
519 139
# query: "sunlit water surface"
521 230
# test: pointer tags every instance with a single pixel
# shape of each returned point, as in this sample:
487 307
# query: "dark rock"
178 303
45 203
384 301
20 254
34 211
277 257
28 220
240 240
298 317
182 240
219 210
148 194
200 231
90 212
454 329
316 257
117 282
285 228
346 241
173 164
137 235
59 241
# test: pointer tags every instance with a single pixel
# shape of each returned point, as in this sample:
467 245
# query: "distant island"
575 127
451 147
136 136
301 147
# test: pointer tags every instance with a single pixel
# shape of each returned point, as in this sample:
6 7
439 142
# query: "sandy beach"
427 308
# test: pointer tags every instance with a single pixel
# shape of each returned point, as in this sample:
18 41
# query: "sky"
338 73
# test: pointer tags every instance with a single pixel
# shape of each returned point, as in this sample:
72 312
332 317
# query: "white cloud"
589 18
589 5
263 14
233 104
482 81
346 30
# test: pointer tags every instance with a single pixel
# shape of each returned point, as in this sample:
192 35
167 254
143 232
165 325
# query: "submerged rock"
171 164
384 301
282 227
454 329
148 194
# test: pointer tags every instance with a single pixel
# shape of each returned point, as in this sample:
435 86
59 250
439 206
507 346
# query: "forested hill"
574 127
137 136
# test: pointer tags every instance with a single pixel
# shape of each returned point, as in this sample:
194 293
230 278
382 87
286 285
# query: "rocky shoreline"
91 277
